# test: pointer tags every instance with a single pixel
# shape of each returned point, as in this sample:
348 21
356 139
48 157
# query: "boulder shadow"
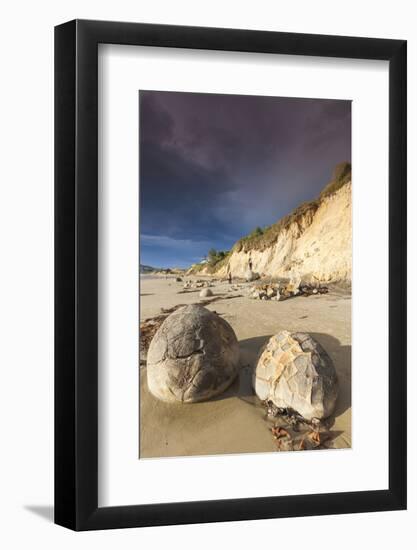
189 291
242 386
341 356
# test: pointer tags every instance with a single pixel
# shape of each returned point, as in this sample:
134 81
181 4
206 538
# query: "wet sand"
235 422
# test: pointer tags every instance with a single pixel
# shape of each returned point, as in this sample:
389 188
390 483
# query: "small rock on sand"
205 293
251 276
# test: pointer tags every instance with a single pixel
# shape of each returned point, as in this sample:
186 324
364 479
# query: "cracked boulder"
295 372
193 356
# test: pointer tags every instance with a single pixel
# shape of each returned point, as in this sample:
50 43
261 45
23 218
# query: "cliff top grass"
342 174
262 238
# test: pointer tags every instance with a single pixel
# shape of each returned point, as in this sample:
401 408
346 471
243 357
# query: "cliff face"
314 242
316 245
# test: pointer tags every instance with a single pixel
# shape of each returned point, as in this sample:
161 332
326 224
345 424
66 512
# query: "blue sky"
213 167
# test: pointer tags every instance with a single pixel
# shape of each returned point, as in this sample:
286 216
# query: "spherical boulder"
193 356
205 293
295 372
250 276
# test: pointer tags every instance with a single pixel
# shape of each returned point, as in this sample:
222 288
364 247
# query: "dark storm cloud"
214 166
179 196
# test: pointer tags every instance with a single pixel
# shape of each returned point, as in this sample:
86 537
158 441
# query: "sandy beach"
236 421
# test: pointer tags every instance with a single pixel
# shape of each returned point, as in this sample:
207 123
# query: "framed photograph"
230 254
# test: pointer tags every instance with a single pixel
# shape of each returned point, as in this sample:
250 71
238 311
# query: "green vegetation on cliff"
215 260
215 256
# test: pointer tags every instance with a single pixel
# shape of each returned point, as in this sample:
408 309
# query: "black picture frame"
76 272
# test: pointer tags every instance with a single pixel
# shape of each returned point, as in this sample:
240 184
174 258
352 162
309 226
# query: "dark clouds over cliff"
213 167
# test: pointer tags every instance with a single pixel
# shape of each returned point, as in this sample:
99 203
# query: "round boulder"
193 356
205 293
250 276
295 372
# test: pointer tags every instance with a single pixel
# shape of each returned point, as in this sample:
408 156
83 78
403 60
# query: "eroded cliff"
313 242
